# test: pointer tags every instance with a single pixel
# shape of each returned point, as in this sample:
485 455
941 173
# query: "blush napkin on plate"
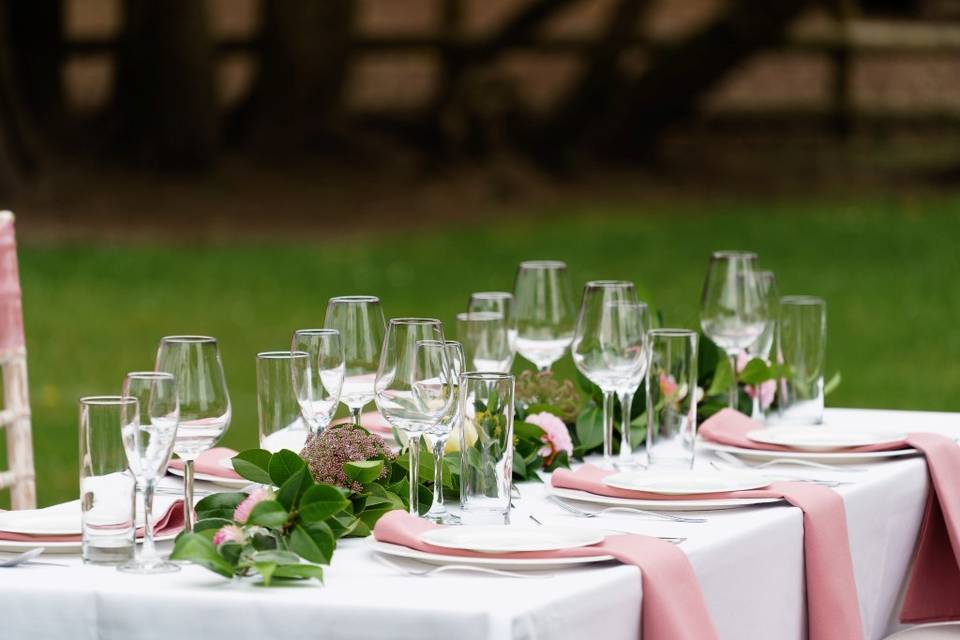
67 516
210 463
673 605
833 609
933 594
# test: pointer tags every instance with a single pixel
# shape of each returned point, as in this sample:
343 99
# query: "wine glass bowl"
318 381
359 319
543 314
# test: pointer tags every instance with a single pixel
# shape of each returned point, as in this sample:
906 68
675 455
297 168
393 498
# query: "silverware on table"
669 539
774 475
726 456
580 513
22 558
425 573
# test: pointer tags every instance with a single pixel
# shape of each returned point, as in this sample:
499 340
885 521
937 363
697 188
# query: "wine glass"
359 319
204 401
763 345
733 309
280 421
319 381
148 443
625 352
412 388
486 340
497 302
594 336
543 313
441 432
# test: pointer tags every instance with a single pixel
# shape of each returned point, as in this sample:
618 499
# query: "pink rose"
228 533
252 500
556 438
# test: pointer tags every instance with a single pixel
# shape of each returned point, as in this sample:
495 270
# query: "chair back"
15 412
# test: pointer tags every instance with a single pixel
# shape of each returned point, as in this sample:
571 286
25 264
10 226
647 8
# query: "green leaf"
370 516
722 378
321 501
519 467
294 488
253 464
363 471
300 571
589 427
278 557
211 524
528 431
283 465
269 514
314 542
219 505
756 371
832 384
231 552
342 525
195 548
265 569
540 407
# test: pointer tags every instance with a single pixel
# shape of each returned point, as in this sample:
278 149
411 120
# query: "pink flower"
228 533
768 388
668 387
556 438
252 500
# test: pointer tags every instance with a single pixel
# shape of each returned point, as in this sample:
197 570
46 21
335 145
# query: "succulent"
325 454
541 388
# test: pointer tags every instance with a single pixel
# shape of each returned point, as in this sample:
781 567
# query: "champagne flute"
497 302
486 340
411 390
148 442
543 314
204 401
733 310
319 381
763 345
441 432
595 323
359 319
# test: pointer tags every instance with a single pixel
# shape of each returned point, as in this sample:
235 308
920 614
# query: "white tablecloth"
749 563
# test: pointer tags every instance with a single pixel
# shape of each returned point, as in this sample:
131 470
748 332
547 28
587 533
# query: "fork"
666 538
734 460
593 514
791 477
426 573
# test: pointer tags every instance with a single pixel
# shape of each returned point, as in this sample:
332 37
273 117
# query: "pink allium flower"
252 500
556 438
228 533
768 388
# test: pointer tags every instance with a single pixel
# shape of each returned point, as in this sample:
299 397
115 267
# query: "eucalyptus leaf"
253 464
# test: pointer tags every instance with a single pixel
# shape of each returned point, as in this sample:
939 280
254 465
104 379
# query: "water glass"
544 314
486 446
802 343
318 384
148 443
359 319
498 302
671 398
281 425
107 487
486 340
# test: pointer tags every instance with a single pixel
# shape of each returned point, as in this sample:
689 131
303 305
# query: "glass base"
442 517
161 566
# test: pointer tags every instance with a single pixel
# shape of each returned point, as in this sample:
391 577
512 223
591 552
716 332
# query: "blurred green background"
886 266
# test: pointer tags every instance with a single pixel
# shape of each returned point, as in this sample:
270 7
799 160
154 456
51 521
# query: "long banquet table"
749 562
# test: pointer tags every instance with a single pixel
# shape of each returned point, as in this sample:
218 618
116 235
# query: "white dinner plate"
835 457
509 564
500 539
822 439
683 483
232 483
17 546
658 505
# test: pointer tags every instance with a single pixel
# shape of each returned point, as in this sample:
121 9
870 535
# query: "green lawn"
888 269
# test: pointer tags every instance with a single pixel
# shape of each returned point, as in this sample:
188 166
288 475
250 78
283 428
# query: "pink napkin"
169 522
373 422
833 609
673 606
933 593
210 463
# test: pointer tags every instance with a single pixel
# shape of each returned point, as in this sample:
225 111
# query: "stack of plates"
826 444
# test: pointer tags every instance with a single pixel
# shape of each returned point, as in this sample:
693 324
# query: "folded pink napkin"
210 462
372 421
169 522
833 609
673 605
933 593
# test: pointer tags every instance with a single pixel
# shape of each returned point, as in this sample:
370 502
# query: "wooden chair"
15 414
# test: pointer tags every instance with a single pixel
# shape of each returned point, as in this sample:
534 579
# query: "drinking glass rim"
492 295
316 332
486 375
353 299
108 401
543 264
627 303
672 333
479 316
415 321
151 375
282 355
189 339
609 284
802 300
745 255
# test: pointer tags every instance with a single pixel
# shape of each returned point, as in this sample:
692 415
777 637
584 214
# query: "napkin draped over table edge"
168 523
673 607
210 463
933 590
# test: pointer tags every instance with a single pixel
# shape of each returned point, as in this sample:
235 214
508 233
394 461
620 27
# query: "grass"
887 267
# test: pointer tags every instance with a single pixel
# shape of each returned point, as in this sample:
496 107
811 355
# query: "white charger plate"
18 546
500 539
232 483
659 505
509 564
822 439
836 457
680 483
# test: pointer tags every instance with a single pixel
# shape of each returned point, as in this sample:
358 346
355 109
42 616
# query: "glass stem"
757 413
734 391
609 398
148 554
188 496
438 446
626 447
355 414
413 447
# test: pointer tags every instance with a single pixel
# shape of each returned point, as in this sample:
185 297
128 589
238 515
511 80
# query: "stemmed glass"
763 345
319 381
733 309
626 353
204 401
543 313
497 302
359 319
412 388
595 336
441 432
148 442
486 340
